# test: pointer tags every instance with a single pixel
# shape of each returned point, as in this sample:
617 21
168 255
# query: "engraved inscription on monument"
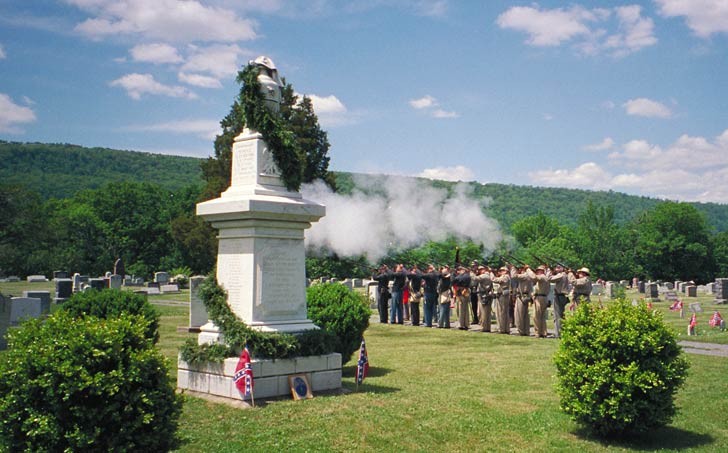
268 166
280 269
243 170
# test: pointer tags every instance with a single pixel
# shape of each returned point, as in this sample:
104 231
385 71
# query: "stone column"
261 259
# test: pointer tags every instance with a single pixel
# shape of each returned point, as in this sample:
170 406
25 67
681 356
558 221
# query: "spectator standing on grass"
444 294
399 278
383 295
430 282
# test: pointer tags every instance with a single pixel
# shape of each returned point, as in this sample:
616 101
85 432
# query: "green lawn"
445 390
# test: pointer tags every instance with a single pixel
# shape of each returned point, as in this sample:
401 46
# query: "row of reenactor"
477 291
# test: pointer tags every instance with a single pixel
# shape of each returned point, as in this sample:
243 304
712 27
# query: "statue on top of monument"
270 82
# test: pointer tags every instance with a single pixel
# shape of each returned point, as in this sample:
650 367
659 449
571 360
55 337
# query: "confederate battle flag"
693 321
244 373
715 320
362 366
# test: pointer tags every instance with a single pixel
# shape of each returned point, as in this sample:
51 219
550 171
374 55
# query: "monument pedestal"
261 259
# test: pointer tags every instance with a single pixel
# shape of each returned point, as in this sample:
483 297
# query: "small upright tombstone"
115 281
357 282
119 268
97 283
4 320
76 282
669 285
23 308
36 278
198 312
721 295
60 274
161 277
641 287
64 289
597 289
653 292
45 299
691 291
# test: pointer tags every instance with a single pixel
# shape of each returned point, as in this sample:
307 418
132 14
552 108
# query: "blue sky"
629 96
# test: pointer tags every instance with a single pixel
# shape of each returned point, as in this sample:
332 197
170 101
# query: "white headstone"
153 290
115 281
22 308
45 299
161 277
198 312
36 278
76 282
169 288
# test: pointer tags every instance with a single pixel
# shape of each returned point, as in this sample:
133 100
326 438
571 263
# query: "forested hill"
61 170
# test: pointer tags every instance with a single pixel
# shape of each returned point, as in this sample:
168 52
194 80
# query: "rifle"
522 263
540 260
559 263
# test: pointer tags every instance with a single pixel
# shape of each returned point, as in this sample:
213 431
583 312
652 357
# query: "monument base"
270 376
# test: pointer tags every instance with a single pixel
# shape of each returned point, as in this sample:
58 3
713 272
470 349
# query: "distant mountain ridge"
61 170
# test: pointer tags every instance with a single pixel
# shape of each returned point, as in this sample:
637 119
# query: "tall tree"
673 242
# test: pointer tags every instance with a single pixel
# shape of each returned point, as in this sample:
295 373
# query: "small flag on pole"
715 320
244 373
362 366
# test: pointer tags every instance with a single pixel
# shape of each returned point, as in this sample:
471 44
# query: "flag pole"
252 397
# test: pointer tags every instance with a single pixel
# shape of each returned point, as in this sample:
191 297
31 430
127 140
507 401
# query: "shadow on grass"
667 437
371 388
374 371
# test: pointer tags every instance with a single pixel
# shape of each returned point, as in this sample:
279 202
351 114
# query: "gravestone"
4 320
702 289
641 287
372 293
23 308
333 280
85 278
115 281
695 307
669 285
710 288
611 289
721 295
13 279
198 311
119 268
677 285
691 291
64 289
60 274
681 287
357 282
347 283
671 296
597 289
161 277
107 275
169 288
76 282
652 292
45 299
153 290
152 285
324 279
97 283
36 278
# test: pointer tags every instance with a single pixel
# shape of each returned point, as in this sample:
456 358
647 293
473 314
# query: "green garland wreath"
280 139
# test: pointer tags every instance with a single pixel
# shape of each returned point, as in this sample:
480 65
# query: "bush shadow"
667 437
350 371
366 387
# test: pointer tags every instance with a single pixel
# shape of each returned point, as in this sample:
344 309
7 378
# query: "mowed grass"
444 390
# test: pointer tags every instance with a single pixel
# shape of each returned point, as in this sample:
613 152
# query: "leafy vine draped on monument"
298 144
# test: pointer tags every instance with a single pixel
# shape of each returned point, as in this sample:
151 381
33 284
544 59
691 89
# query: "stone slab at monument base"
270 376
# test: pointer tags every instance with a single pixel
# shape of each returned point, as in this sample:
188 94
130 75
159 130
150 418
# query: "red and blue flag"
244 373
362 366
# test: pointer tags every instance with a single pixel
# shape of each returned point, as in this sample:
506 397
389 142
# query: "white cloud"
2 52
324 105
137 85
690 169
605 144
647 107
199 80
167 20
157 53
548 117
587 29
456 173
432 107
424 102
608 105
12 114
440 113
546 27
206 129
704 17
432 8
217 60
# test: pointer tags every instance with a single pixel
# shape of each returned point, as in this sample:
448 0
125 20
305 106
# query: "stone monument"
261 255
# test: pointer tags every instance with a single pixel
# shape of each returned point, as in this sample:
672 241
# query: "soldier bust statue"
270 82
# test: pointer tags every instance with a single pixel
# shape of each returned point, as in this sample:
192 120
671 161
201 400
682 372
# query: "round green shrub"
111 303
618 369
69 384
341 311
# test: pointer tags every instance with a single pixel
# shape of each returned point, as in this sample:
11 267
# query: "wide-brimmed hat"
584 270
541 268
503 269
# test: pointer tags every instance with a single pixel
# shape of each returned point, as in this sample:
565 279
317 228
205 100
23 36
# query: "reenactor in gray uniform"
461 288
540 292
502 293
560 278
582 286
524 276
483 281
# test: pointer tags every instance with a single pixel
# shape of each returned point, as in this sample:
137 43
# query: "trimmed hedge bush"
111 303
618 369
82 384
341 311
